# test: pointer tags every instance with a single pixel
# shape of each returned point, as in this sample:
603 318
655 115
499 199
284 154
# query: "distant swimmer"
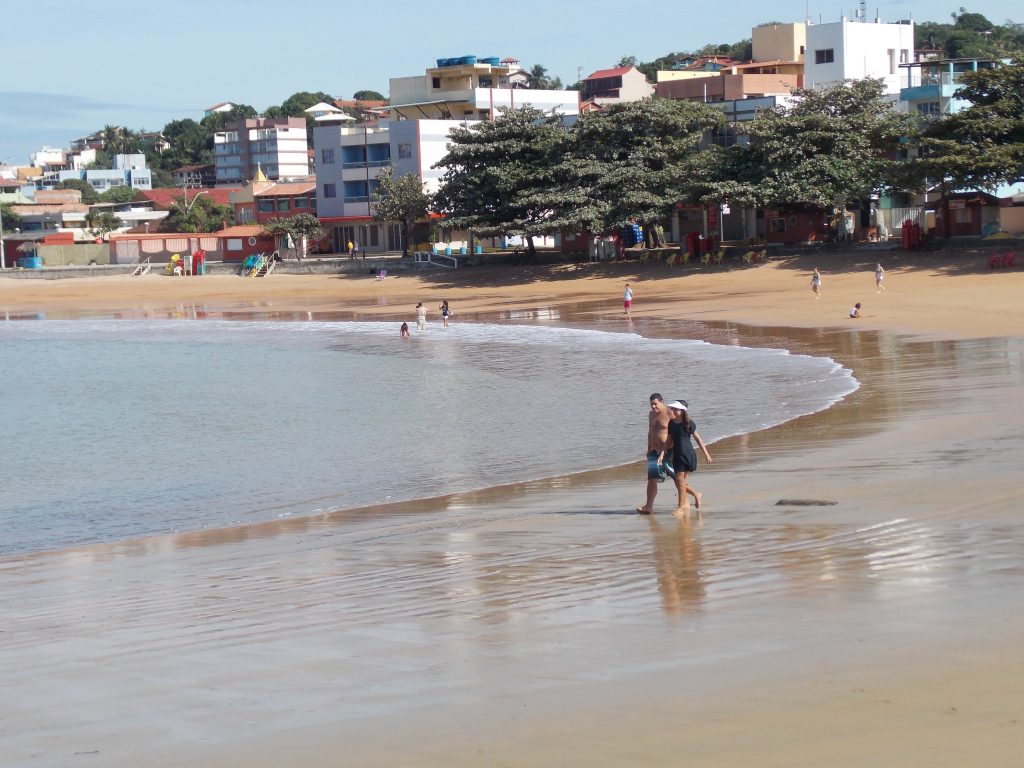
657 444
684 458
405 330
879 277
816 283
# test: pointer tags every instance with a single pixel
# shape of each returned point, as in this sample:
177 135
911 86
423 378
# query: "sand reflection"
677 555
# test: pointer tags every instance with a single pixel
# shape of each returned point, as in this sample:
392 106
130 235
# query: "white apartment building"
350 157
275 145
854 49
467 88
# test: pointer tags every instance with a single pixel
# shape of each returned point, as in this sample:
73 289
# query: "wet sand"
543 624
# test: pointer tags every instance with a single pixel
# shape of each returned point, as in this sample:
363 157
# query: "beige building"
779 42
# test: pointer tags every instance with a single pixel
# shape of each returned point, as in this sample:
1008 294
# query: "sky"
69 67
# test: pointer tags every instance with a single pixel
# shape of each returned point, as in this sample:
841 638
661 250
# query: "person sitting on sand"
405 330
684 459
855 310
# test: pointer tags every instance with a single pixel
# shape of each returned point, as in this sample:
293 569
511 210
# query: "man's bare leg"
652 491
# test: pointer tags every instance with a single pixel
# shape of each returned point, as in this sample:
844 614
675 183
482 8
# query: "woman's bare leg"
683 505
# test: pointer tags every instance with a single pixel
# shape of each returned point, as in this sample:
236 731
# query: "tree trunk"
531 249
406 234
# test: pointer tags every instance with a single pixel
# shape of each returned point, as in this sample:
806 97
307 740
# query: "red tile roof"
287 188
617 71
165 197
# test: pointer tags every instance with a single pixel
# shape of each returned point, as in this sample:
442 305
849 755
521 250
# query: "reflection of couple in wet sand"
677 560
670 452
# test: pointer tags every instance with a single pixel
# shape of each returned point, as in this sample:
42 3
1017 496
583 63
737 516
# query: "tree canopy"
981 146
403 199
89 193
197 214
828 147
369 96
633 162
497 175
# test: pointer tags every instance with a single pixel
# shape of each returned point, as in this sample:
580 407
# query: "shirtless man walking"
657 442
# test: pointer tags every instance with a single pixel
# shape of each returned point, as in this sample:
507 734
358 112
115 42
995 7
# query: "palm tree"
539 76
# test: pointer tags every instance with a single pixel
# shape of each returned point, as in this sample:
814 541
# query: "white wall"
860 49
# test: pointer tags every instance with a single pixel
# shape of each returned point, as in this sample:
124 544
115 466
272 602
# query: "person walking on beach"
879 277
684 459
657 445
421 317
355 249
816 283
351 250
627 300
445 312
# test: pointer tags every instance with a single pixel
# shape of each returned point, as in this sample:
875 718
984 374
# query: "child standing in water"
445 312
684 459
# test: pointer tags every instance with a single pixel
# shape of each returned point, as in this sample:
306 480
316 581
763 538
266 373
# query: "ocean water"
121 428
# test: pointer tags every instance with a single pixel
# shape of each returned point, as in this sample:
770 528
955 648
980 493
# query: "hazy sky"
70 67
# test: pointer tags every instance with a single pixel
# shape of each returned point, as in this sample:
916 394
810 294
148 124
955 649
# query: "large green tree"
828 147
197 214
633 162
191 144
301 225
403 199
10 219
118 194
981 146
89 193
498 175
102 222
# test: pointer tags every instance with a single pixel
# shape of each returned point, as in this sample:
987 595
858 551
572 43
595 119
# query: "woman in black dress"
684 459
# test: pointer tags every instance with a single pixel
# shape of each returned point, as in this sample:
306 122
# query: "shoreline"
884 625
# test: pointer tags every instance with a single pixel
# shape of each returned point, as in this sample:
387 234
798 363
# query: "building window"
405 151
892 61
824 56
284 204
435 83
330 190
777 224
301 202
904 56
327 156
803 50
928 108
265 206
235 244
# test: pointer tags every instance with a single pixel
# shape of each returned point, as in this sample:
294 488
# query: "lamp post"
189 204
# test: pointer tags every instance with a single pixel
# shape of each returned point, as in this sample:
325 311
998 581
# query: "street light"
188 205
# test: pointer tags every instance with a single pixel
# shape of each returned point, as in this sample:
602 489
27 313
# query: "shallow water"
121 428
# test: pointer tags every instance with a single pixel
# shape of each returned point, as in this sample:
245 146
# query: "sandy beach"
853 594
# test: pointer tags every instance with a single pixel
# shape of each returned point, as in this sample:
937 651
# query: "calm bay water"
121 428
